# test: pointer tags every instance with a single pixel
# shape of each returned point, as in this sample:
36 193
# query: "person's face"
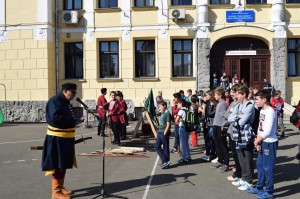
215 75
241 97
161 107
207 96
189 93
224 74
233 95
179 105
279 95
255 91
260 102
112 96
118 98
226 94
69 94
176 100
217 97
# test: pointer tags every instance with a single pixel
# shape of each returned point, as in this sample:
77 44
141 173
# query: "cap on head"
69 86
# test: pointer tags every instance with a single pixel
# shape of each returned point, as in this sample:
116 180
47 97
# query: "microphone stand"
102 189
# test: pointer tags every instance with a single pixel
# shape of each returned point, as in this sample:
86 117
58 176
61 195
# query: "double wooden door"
253 69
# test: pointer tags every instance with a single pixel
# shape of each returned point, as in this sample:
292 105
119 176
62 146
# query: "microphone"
83 104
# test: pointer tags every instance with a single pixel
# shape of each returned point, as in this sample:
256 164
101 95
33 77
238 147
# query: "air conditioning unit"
178 14
70 16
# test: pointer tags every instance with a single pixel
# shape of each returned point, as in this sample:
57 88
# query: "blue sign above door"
240 16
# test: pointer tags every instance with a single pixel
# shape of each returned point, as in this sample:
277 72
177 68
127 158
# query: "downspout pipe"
56 47
5 101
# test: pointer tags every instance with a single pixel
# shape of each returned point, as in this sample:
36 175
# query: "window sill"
263 5
183 78
187 7
145 8
221 6
109 80
106 10
146 79
74 80
292 5
294 77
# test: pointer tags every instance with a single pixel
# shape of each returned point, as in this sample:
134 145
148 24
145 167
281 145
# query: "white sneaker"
245 186
215 160
238 182
231 179
206 158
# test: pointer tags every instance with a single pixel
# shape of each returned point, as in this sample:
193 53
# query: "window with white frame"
144 3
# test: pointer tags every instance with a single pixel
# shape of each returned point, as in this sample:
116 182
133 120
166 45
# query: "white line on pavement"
34 159
21 161
150 179
6 162
17 142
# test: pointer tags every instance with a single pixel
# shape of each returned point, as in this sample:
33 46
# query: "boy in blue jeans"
163 135
266 144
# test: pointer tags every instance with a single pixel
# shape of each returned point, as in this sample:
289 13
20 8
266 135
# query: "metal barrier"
5 101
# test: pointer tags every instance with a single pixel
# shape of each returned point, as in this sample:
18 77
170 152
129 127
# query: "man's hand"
258 147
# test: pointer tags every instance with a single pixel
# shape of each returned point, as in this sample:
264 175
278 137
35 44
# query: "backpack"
295 117
191 121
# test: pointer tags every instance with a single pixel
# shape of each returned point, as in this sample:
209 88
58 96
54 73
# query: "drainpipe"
5 101
56 46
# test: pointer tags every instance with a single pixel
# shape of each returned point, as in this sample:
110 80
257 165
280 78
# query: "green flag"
1 117
149 104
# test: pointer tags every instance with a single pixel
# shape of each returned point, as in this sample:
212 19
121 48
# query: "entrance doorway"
249 58
245 70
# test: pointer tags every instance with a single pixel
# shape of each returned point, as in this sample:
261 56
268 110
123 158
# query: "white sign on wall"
240 52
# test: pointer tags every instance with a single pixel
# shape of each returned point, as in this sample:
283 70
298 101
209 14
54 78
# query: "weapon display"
82 139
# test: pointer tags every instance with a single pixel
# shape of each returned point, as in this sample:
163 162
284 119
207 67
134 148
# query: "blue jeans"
266 165
163 153
209 142
184 140
176 137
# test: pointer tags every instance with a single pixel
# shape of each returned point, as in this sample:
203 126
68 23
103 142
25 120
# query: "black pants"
115 127
123 133
101 125
238 171
221 145
246 162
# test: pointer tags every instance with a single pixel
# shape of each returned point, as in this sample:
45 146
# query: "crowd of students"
241 119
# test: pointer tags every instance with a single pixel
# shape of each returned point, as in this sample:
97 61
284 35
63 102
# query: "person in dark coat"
59 145
113 117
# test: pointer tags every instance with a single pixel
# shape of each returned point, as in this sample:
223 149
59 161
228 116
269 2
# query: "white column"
2 12
45 11
125 13
162 11
277 10
279 24
126 19
202 17
89 16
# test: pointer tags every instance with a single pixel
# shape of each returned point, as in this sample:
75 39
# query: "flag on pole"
149 104
1 117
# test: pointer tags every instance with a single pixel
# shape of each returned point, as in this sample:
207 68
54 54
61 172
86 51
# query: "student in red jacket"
123 118
113 108
102 106
277 103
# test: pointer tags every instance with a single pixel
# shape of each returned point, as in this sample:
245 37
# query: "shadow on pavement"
116 187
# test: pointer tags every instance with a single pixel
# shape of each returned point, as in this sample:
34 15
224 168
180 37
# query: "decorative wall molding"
89 35
280 30
126 35
42 34
3 36
163 34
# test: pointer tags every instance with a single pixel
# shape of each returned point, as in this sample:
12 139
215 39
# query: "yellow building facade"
135 45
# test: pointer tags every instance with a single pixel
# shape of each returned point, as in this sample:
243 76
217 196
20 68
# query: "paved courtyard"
135 178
